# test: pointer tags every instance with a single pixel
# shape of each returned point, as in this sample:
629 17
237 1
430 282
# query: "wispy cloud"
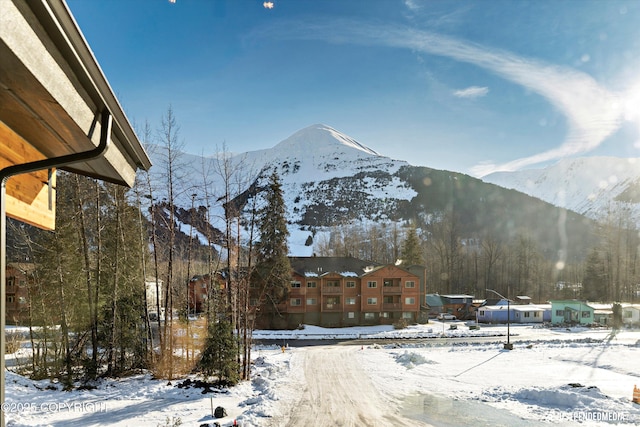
471 92
412 4
592 112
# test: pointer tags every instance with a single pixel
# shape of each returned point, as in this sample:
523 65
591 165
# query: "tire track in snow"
338 392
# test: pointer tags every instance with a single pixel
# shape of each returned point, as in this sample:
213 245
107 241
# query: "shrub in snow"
401 324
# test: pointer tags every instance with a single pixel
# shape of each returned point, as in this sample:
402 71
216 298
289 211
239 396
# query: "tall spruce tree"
594 281
411 251
273 270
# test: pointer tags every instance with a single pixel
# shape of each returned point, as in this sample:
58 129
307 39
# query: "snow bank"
410 359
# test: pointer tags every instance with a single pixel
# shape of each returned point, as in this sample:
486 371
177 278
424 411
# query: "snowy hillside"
330 180
587 185
323 173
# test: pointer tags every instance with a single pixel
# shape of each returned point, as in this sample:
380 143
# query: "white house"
527 313
631 314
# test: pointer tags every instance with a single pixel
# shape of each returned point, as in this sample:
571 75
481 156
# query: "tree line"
88 309
470 263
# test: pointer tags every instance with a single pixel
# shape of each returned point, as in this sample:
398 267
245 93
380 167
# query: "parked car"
446 316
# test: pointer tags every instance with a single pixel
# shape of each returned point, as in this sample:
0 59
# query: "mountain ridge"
330 180
590 186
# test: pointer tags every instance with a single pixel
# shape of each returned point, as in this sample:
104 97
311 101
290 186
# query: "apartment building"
346 291
18 278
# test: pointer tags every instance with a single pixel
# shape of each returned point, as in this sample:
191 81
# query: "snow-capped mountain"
329 180
588 185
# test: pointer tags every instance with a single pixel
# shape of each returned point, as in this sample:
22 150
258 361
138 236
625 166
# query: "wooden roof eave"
52 92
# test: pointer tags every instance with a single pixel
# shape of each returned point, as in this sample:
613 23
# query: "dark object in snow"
575 385
205 386
220 412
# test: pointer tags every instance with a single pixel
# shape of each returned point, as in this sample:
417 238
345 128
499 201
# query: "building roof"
526 307
457 296
320 266
434 300
495 307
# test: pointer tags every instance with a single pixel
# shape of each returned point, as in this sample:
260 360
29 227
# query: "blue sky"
468 86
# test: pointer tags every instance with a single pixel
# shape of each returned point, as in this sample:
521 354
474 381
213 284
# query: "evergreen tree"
594 282
273 270
219 355
411 251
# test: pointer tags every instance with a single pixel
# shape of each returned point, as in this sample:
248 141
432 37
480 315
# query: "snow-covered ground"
553 376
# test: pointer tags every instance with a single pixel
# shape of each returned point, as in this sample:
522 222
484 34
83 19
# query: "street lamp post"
508 345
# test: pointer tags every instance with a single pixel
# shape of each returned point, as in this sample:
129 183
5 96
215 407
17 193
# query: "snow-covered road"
554 376
335 391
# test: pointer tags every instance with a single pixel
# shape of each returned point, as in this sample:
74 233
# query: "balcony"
333 290
396 290
391 306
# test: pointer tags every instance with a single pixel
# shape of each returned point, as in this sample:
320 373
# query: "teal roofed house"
434 303
571 312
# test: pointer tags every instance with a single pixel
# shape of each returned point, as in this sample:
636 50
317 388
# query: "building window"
410 300
369 316
372 284
560 313
527 314
11 299
295 284
351 284
372 301
410 284
333 283
387 282
295 302
311 285
536 314
350 301
384 314
586 314
351 315
407 315
10 282
481 312
311 301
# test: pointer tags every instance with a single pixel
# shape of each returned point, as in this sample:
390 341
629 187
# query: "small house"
631 314
527 313
434 304
602 313
459 305
495 314
571 312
